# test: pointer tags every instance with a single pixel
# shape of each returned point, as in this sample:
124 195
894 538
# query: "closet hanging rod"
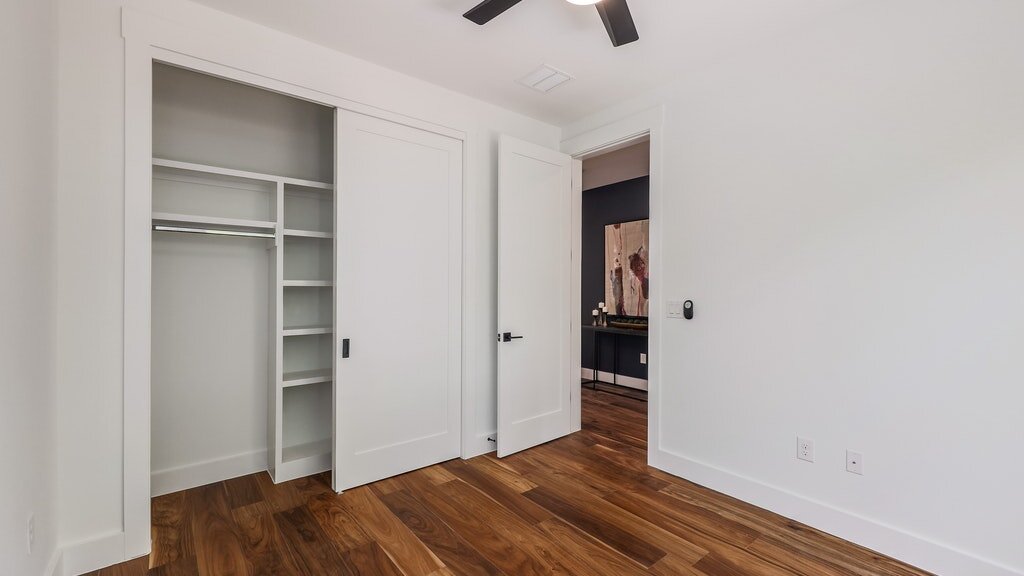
162 228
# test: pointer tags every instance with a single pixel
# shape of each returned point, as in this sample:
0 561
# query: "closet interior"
242 282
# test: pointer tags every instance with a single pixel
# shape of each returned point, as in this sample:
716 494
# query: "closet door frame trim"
150 40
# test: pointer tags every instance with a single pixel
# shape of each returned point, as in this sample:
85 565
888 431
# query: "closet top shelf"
203 168
167 217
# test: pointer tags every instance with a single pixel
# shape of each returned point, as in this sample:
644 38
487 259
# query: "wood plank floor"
586 505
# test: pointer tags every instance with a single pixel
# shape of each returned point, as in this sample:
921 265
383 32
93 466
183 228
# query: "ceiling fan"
614 13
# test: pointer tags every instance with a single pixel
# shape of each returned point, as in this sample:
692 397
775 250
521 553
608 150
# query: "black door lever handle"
508 337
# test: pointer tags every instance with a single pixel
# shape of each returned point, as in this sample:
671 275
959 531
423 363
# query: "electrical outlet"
643 358
31 532
674 308
805 449
854 462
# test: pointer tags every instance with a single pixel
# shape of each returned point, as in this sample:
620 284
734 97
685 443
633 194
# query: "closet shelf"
307 283
303 451
171 218
308 233
307 330
306 377
206 169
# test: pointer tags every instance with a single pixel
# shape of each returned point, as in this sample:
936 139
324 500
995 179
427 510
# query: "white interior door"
398 299
534 281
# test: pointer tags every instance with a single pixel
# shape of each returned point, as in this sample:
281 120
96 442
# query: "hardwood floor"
619 390
586 505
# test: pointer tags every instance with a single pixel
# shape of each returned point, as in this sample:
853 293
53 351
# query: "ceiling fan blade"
618 21
483 12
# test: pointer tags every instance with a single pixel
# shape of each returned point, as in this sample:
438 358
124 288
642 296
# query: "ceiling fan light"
583 2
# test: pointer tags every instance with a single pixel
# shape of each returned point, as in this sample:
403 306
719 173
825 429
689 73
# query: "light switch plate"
675 308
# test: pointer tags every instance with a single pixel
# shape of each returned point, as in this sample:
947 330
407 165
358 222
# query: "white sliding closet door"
399 299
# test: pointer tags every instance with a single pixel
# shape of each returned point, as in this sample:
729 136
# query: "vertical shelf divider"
275 429
303 371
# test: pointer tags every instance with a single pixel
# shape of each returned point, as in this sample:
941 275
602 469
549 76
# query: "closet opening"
615 290
242 313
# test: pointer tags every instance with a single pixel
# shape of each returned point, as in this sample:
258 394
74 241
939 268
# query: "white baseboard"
910 548
92 554
620 380
202 473
55 567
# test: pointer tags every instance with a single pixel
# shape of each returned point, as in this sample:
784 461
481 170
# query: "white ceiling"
431 40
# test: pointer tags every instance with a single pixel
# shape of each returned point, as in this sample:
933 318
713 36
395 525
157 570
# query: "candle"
600 305
594 312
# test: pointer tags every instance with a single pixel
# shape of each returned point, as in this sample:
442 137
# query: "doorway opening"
615 288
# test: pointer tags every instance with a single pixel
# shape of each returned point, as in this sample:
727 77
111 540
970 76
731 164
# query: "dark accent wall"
621 202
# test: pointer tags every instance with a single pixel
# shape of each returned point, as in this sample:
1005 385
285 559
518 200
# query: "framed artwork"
626 270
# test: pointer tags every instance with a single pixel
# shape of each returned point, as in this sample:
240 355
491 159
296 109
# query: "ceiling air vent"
544 79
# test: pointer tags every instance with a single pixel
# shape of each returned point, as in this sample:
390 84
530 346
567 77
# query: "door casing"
589 143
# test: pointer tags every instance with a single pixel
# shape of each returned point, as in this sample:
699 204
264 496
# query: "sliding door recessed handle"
507 337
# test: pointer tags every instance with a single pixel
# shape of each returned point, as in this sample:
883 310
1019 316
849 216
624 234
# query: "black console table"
615 332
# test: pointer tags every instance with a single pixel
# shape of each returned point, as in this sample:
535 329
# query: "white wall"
845 208
211 299
90 218
28 37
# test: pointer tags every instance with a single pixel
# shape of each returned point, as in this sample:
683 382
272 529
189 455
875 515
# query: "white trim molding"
202 473
882 538
470 443
576 296
92 554
617 134
55 567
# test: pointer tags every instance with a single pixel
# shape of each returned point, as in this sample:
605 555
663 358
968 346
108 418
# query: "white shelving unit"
298 218
308 233
206 170
305 328
307 283
304 377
